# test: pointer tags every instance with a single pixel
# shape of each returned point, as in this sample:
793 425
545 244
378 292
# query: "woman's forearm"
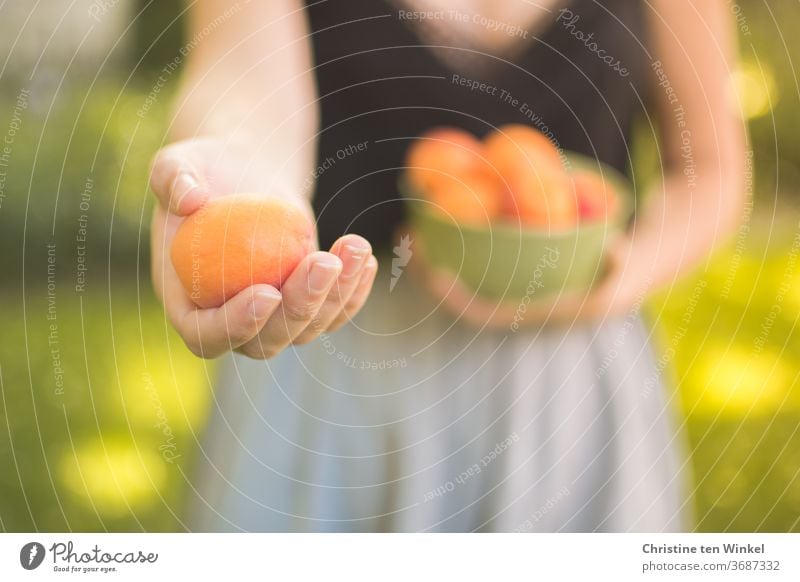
687 216
701 198
250 83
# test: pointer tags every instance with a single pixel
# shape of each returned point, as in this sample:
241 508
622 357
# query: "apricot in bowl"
542 229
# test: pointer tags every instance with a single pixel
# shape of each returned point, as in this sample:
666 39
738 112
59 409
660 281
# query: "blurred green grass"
90 457
737 380
94 455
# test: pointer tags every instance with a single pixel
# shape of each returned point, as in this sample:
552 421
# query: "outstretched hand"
322 293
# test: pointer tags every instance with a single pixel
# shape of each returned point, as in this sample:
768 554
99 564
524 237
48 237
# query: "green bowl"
509 261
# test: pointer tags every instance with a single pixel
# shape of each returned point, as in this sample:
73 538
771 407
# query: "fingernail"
354 259
264 302
184 184
322 276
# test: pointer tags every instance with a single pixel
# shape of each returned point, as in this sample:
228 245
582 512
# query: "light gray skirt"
407 420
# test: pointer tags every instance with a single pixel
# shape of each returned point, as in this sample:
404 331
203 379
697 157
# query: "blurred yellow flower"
739 382
754 91
113 475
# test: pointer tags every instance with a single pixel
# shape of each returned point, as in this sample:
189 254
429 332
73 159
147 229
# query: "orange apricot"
440 153
596 198
472 199
542 198
237 241
536 187
516 143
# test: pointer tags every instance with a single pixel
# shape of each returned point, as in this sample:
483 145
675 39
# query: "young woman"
427 410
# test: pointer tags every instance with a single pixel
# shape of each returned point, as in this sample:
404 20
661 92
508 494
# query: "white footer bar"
401 557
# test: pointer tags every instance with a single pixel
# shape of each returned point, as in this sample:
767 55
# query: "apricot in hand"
237 241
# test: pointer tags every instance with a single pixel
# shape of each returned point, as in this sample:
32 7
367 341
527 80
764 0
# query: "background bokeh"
97 393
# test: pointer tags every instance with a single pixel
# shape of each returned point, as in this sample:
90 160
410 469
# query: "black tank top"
579 79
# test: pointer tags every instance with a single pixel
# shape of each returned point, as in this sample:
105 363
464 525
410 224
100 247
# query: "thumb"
176 182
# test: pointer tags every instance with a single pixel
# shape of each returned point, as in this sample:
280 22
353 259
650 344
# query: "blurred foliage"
81 141
90 454
769 51
158 33
737 379
94 455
